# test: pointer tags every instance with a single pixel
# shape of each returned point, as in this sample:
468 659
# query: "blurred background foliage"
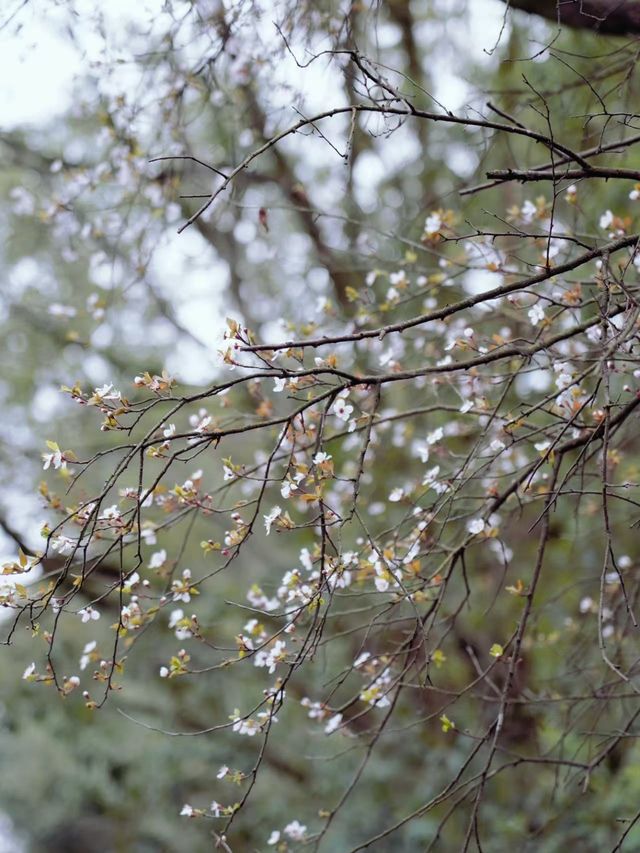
99 287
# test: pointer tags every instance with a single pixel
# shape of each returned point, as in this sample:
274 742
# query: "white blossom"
295 830
342 409
89 614
86 652
158 559
433 224
286 488
271 517
606 220
536 314
56 459
476 525
333 724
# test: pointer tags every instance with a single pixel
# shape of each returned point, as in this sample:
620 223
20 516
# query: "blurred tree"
355 567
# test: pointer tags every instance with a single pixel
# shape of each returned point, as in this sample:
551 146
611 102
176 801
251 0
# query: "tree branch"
610 17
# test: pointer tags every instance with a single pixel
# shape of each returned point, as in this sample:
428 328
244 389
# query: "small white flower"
475 526
536 314
421 449
176 616
606 220
594 333
286 489
272 657
278 384
430 477
181 588
222 772
111 513
148 535
158 559
29 671
164 672
321 457
333 724
497 445
84 660
305 560
187 810
361 659
528 211
63 544
247 727
274 837
54 459
130 582
341 409
295 830
107 392
396 495
89 614
435 436
466 407
181 632
432 225
271 517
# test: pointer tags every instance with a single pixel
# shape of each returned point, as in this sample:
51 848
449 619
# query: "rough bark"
611 17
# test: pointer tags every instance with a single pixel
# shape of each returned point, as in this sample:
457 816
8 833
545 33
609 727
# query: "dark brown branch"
455 307
617 145
525 175
610 17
